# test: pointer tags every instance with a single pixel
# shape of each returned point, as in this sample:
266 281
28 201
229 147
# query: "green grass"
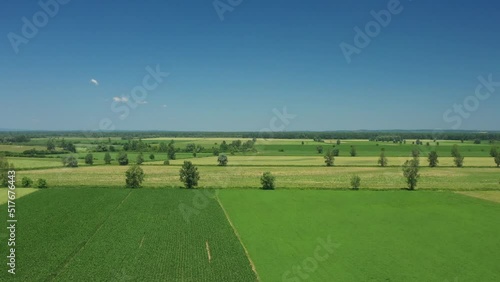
122 234
379 236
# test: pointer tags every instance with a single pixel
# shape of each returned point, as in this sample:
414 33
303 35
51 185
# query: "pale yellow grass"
493 196
20 192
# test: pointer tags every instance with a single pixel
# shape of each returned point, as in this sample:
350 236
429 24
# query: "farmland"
371 235
231 230
103 234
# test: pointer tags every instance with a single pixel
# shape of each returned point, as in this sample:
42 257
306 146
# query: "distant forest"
387 135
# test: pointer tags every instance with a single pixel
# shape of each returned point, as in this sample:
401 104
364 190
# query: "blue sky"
229 74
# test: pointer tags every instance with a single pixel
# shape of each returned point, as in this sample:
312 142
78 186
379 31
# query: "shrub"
497 159
134 176
122 159
107 158
353 151
41 183
89 159
329 158
493 151
140 159
382 161
152 157
355 182
189 175
70 161
26 182
222 159
166 162
433 159
267 181
458 159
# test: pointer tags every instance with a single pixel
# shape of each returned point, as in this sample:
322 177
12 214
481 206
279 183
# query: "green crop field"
118 234
367 236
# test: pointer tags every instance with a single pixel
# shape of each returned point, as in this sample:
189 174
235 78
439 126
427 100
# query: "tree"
319 149
70 161
107 158
338 141
171 151
140 159
410 172
336 152
355 182
477 141
353 151
223 146
26 182
70 147
89 159
222 159
163 147
493 151
152 157
415 152
329 158
51 146
382 161
267 181
122 159
41 183
497 159
134 176
454 150
458 159
189 175
433 159
166 162
215 151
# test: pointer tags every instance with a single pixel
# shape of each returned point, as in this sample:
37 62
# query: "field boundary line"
84 243
252 265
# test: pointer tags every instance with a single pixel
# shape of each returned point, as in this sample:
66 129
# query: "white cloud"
95 82
142 102
164 106
120 99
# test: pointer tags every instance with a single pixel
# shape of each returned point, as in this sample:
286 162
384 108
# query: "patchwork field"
367 236
86 226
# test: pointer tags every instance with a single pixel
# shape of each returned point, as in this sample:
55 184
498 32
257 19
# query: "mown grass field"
445 178
122 234
376 236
